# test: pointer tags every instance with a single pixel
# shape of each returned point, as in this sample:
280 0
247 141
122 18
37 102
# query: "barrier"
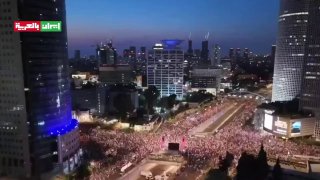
126 167
302 166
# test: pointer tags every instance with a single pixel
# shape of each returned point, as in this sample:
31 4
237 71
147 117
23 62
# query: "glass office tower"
292 34
35 113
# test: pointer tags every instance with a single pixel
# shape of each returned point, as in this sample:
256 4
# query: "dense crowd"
111 150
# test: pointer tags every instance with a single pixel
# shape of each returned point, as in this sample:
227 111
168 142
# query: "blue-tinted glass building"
37 131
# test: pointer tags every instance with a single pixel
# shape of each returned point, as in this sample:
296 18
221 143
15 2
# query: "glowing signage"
268 121
296 127
50 26
27 26
37 26
281 124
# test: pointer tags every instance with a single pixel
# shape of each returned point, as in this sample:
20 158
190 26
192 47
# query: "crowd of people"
111 150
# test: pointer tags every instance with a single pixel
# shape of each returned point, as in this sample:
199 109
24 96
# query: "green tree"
171 101
151 94
163 102
123 104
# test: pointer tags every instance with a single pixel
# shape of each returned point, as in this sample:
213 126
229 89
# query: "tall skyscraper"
125 54
231 53
143 54
310 88
106 55
132 54
216 58
290 54
77 55
37 132
190 50
238 54
246 54
205 52
273 52
197 53
165 68
232 56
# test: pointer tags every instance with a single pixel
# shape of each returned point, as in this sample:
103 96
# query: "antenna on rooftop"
207 36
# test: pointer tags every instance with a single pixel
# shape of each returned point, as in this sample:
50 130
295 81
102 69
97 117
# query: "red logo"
27 26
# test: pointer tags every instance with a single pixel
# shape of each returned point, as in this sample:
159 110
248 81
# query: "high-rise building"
310 88
231 53
205 52
165 68
126 53
143 54
132 54
216 58
246 54
77 55
190 50
232 56
273 53
121 73
37 133
206 78
197 53
106 55
238 54
290 54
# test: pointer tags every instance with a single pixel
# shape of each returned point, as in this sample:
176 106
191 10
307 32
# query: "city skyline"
245 24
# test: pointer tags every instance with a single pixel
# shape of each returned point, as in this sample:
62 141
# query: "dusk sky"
232 23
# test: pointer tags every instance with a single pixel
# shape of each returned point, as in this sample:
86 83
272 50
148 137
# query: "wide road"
229 115
219 120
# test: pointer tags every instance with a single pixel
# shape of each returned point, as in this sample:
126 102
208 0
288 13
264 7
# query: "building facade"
121 73
205 52
286 126
35 100
206 78
292 34
165 68
107 55
216 55
310 88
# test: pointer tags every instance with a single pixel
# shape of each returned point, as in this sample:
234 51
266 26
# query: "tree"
171 101
277 172
83 172
123 104
151 94
142 100
263 167
140 113
163 102
247 167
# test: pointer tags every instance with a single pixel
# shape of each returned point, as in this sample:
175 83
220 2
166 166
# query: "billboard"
296 127
280 127
268 121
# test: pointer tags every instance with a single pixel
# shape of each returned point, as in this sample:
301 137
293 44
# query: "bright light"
268 121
